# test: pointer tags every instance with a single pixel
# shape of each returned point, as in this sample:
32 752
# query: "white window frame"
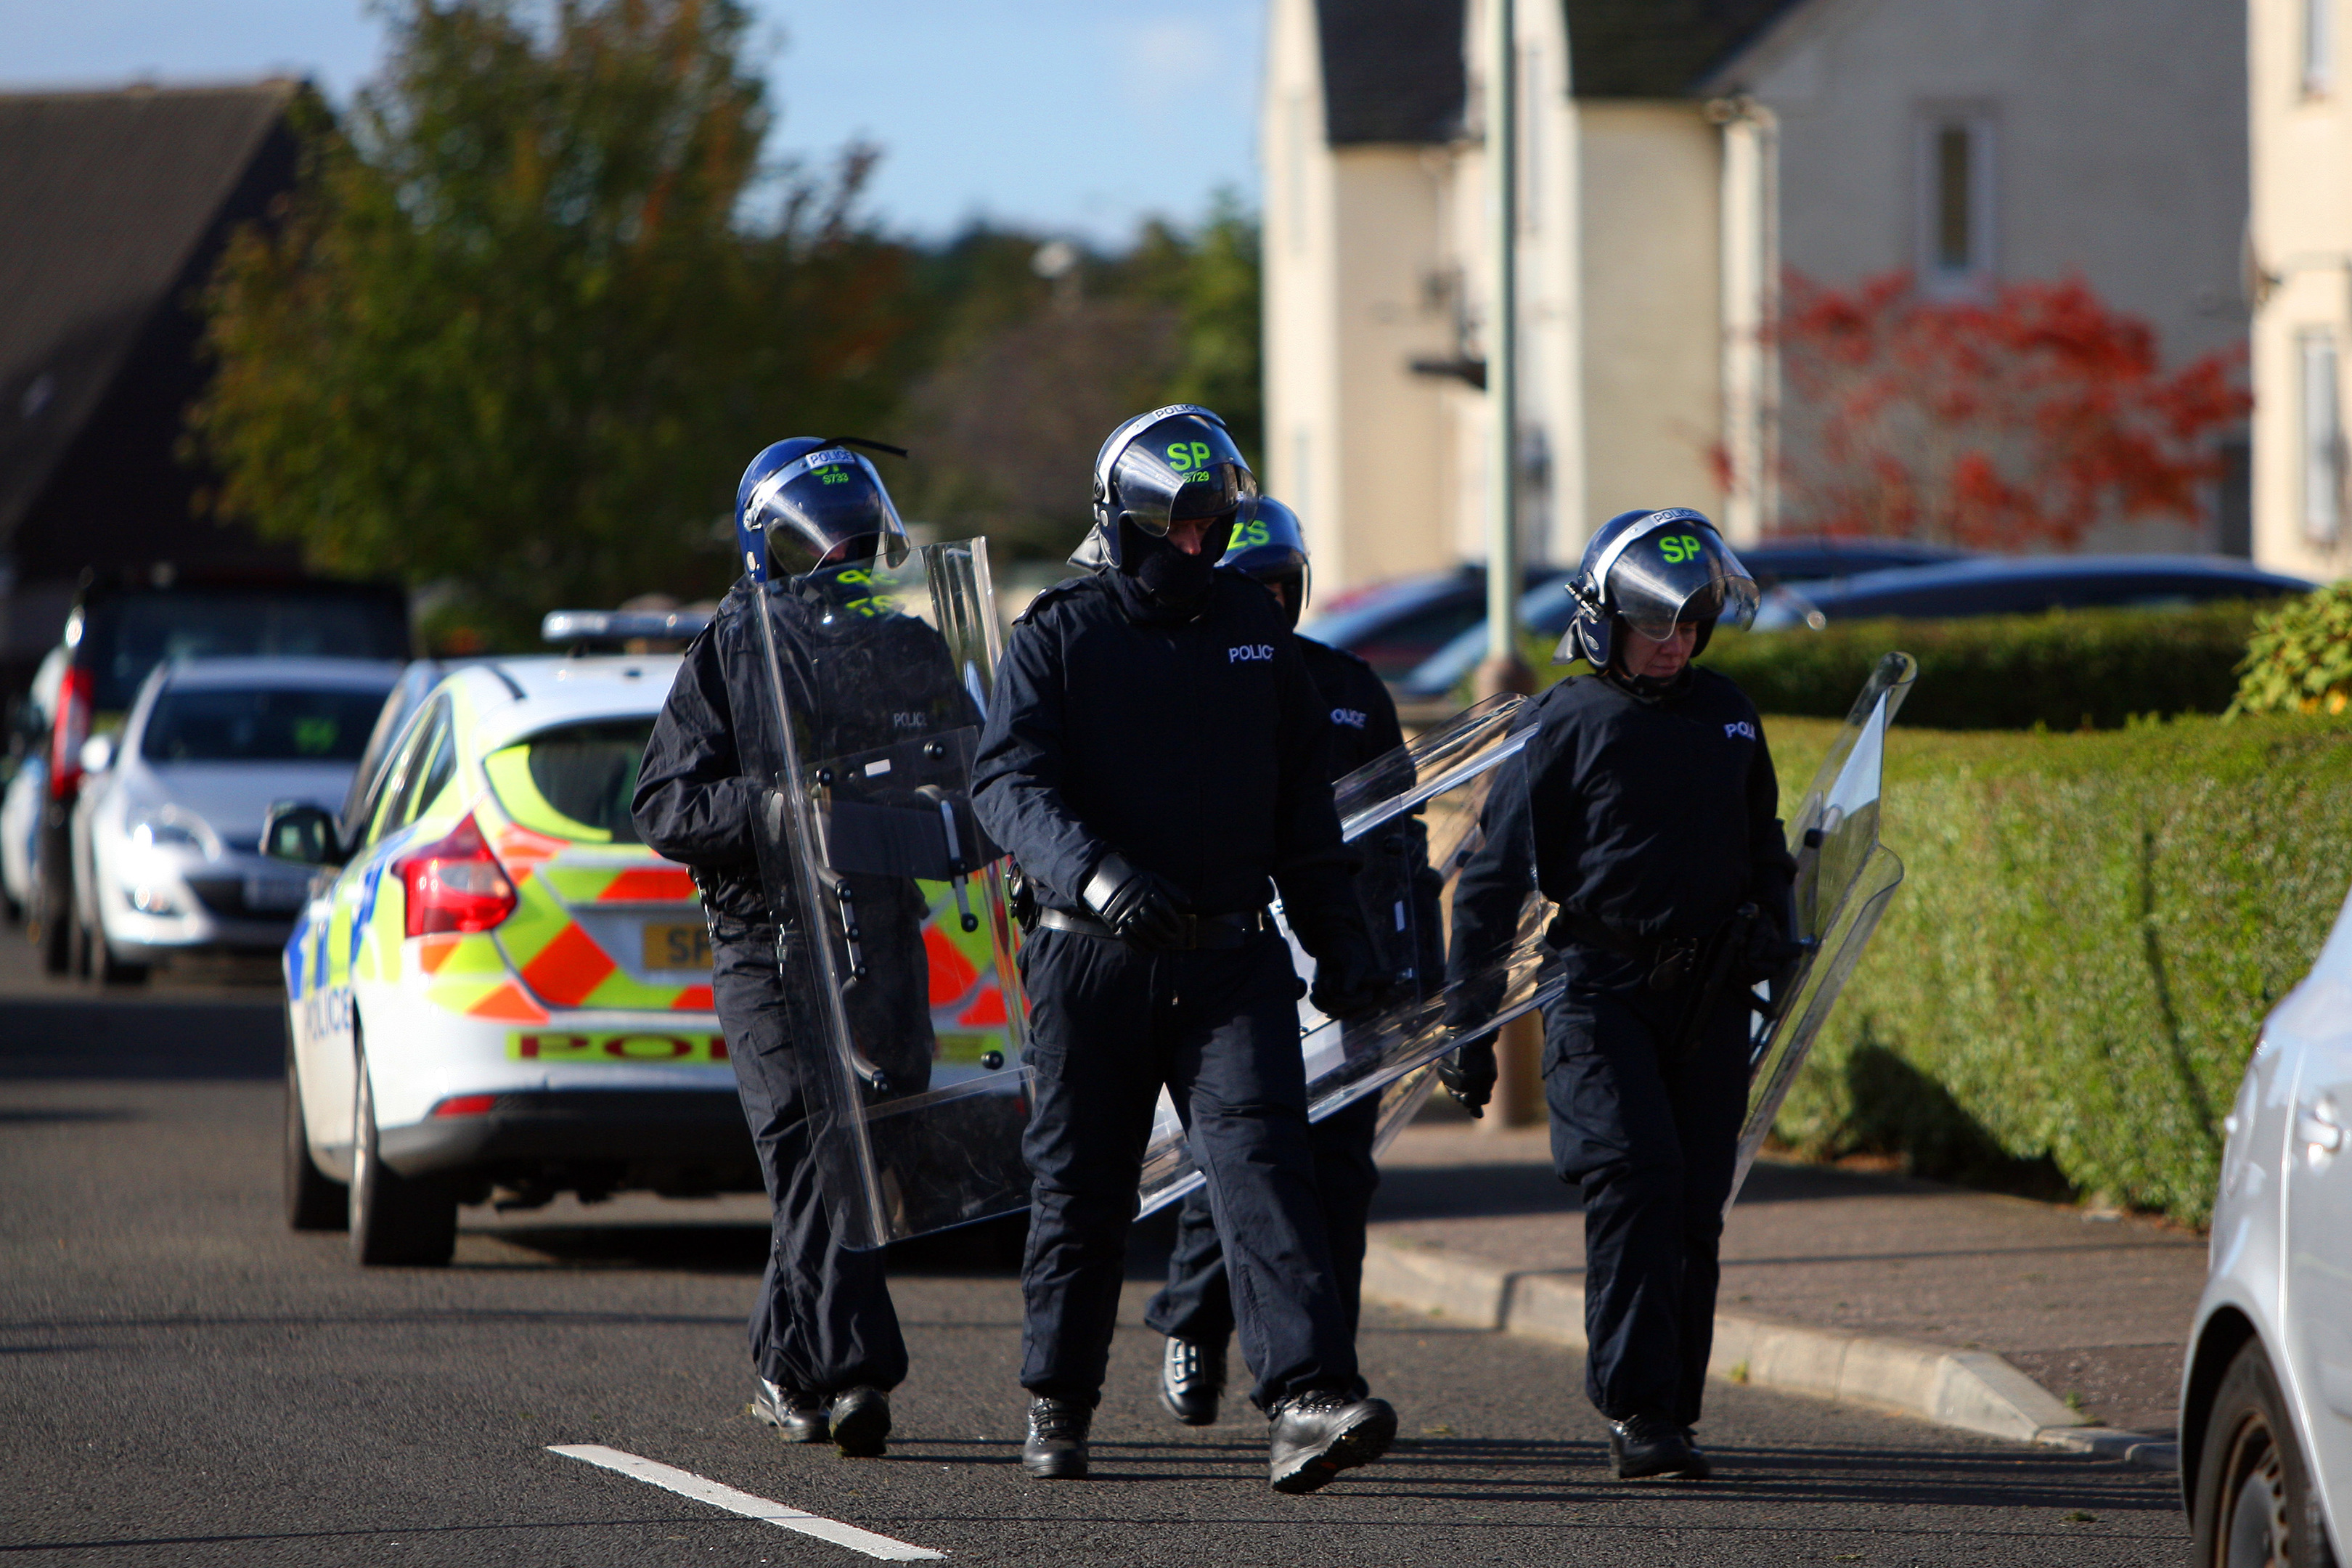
1936 274
2321 448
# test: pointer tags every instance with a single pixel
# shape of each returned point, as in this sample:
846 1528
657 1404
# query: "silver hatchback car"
166 833
2266 1394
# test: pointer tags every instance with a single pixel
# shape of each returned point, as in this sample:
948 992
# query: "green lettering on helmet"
1678 547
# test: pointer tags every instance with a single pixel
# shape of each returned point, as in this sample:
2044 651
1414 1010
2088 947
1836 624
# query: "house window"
1955 250
2322 441
2318 47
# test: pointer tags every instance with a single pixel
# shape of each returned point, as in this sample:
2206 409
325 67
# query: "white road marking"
685 1483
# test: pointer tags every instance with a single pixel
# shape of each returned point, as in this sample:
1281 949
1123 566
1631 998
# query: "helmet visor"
829 503
1182 468
1681 571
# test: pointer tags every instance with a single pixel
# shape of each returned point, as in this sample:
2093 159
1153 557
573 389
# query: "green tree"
1026 375
512 334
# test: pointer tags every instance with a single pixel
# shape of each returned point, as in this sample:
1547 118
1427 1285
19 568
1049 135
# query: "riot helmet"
1171 465
1269 544
1650 570
811 501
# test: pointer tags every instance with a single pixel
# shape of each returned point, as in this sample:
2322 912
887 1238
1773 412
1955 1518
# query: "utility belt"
1199 930
1667 965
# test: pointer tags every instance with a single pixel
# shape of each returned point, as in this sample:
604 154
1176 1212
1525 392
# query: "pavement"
1995 1314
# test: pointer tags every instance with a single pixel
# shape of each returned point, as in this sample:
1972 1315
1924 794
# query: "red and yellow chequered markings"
560 963
469 975
962 965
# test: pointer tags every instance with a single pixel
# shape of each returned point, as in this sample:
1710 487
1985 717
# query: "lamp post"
1518 1088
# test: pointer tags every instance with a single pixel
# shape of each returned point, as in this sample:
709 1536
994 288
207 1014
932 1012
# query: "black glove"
1139 906
1469 1074
1348 979
1767 953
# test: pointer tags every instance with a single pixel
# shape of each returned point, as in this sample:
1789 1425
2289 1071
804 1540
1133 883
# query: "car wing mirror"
302 833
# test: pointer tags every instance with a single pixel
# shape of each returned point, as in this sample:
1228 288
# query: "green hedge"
2092 928
2067 669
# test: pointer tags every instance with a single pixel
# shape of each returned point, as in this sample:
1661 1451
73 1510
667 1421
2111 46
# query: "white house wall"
2300 241
1653 335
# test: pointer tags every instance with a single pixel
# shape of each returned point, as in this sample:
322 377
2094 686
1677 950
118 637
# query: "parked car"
167 830
121 627
21 797
1394 626
494 986
2012 585
1546 610
2266 1388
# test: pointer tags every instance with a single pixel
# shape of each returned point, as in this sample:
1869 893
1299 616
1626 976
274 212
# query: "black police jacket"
1396 867
1197 747
854 682
1363 715
1644 821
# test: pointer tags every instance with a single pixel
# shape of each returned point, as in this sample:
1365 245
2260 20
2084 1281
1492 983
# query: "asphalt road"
183 1380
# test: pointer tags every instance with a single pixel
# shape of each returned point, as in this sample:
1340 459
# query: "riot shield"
1413 816
1845 878
896 953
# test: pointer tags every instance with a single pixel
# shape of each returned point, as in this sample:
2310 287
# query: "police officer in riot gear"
1196 1309
1154 758
810 516
1645 809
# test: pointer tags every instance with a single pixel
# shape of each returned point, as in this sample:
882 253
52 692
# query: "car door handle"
2320 1127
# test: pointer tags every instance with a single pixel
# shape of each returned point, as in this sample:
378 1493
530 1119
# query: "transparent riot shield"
1413 816
897 949
1845 880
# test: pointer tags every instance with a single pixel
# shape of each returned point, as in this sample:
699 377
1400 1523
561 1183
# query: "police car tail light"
456 884
466 1105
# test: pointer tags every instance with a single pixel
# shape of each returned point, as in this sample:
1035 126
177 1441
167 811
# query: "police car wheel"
395 1220
312 1201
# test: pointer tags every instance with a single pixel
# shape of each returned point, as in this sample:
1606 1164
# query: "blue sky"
1065 115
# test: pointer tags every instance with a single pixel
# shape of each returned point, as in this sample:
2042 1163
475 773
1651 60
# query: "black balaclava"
1173 582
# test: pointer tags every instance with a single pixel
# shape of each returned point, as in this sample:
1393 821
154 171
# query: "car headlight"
171 828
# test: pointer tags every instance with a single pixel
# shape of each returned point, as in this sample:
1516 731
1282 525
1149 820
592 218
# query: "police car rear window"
574 782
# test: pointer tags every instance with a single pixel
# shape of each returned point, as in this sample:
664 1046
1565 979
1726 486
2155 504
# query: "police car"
494 989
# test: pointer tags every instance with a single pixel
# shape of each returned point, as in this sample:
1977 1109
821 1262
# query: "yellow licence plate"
682 946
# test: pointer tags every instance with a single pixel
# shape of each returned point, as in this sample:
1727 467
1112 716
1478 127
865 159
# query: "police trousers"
1649 1135
1197 1302
824 1320
1109 1027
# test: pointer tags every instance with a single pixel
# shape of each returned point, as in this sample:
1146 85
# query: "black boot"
1698 1469
1056 1448
1647 1446
861 1423
1324 1431
1191 1376
799 1417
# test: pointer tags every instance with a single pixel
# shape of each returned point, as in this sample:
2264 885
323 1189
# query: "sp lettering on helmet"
1679 548
1186 456
1250 653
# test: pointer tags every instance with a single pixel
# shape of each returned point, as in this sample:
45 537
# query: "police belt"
1666 965
1199 930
